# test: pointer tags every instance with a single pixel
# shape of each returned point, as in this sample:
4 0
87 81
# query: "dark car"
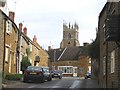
34 73
88 75
47 74
57 74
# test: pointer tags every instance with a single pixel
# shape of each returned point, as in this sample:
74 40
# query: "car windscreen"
45 69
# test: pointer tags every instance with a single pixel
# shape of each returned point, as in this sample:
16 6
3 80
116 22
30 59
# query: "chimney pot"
85 44
25 30
20 26
49 48
11 15
35 39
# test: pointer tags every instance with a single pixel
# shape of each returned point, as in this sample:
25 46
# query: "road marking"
31 86
74 84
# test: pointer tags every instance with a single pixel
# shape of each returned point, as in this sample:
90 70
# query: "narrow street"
65 82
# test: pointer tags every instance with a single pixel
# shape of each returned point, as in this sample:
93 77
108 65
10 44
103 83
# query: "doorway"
74 71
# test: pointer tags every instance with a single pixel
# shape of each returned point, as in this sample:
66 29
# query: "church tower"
70 36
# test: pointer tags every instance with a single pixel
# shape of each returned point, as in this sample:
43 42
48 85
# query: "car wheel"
60 77
50 79
25 80
85 77
43 80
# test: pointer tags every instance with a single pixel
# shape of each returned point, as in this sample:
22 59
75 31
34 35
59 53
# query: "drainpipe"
4 47
106 62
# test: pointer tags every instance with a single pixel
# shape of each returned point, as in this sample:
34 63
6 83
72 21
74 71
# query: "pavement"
10 82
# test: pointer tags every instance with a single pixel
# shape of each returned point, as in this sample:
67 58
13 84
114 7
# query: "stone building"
70 36
35 50
72 61
71 58
15 42
108 30
10 38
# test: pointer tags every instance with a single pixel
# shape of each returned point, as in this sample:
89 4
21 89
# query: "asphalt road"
65 82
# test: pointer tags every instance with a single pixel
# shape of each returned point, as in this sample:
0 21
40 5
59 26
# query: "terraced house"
109 34
10 38
15 42
35 49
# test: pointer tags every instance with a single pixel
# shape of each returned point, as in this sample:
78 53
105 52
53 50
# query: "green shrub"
13 76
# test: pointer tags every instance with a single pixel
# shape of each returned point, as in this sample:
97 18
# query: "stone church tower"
70 36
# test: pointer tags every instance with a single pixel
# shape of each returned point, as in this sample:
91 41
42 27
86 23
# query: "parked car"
34 73
57 74
88 75
47 74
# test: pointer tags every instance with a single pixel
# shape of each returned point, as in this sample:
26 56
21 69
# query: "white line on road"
31 87
74 84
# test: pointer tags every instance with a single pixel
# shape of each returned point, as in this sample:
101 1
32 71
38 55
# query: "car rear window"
36 68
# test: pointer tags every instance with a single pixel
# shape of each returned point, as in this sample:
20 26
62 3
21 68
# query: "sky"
44 18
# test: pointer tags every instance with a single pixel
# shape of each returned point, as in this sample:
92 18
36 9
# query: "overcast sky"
44 18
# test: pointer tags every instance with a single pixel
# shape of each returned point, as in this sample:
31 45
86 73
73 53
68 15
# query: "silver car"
57 74
47 74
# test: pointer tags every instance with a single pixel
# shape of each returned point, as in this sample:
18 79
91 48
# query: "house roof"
55 53
70 53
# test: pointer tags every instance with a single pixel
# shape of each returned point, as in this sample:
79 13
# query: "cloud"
44 18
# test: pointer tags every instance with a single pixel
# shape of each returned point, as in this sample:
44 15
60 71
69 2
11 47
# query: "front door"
74 71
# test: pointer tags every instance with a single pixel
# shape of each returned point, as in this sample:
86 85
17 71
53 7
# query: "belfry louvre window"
112 61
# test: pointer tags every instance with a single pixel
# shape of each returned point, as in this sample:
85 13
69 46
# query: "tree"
28 51
25 61
94 53
94 49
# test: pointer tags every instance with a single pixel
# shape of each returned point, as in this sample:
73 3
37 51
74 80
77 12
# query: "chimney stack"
35 39
25 30
11 15
85 44
20 26
49 48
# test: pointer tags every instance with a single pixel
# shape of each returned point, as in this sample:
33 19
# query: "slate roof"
55 53
70 53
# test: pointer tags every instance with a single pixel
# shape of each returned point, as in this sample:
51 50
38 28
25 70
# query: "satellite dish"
2 3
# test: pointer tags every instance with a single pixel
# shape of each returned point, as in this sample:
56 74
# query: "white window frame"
30 47
6 53
16 37
112 58
8 26
65 67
